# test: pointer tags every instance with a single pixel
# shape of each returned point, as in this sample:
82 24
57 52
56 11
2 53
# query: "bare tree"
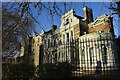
14 30
18 21
115 6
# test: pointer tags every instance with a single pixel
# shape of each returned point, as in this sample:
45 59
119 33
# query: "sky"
45 21
58 0
99 8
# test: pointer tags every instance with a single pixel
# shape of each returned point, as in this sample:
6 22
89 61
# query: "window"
91 55
60 42
56 56
67 37
83 57
63 38
71 36
54 42
71 33
104 52
48 43
66 21
71 20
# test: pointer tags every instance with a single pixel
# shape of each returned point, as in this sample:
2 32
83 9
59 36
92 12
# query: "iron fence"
88 56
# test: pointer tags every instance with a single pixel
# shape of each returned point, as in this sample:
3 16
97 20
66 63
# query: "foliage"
18 71
28 71
59 70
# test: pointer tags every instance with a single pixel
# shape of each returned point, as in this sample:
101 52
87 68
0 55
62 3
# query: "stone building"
38 48
26 52
50 41
85 43
98 50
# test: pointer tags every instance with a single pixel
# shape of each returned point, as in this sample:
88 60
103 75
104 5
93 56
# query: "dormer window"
66 21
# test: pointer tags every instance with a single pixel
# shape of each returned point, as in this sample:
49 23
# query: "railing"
86 56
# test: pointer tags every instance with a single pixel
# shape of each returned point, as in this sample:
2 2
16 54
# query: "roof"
78 16
48 32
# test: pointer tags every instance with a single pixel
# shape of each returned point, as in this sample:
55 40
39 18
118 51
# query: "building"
50 45
26 52
37 48
85 43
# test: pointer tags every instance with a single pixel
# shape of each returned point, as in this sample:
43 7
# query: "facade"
26 52
85 43
37 48
50 42
98 50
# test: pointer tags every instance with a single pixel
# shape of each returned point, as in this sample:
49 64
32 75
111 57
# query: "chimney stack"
88 15
54 27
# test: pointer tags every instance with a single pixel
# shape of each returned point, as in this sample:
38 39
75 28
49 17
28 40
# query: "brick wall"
103 26
76 31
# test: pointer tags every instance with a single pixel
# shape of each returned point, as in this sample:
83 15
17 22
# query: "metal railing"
86 56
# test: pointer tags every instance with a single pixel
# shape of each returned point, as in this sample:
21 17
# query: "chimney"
88 15
54 27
